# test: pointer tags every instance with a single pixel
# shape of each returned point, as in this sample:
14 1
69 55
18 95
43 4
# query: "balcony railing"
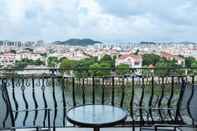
150 95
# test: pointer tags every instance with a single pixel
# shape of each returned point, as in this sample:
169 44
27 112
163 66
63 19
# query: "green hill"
78 42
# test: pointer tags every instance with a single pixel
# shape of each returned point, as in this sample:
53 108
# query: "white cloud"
101 19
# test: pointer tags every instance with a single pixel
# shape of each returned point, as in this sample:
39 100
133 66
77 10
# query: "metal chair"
7 121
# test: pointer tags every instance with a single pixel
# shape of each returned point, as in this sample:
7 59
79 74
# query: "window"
136 63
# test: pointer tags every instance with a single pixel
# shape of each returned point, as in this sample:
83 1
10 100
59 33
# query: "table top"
96 115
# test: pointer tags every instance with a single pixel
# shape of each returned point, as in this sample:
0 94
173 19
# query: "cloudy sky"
108 20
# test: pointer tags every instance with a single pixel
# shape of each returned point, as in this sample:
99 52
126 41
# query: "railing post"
25 100
123 92
132 102
112 99
43 96
170 98
103 93
83 91
151 99
93 91
190 99
141 102
14 98
183 86
54 98
73 91
63 98
161 98
35 101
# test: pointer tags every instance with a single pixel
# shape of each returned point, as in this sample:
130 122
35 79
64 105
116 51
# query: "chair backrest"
6 116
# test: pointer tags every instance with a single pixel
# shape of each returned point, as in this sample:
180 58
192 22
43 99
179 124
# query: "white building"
28 55
7 59
134 61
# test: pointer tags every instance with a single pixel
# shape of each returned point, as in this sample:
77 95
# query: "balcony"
151 96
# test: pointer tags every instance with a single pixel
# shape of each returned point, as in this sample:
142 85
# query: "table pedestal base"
96 129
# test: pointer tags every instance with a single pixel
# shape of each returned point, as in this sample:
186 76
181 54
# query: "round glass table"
96 116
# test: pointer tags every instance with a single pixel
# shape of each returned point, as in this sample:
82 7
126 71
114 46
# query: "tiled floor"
84 129
103 129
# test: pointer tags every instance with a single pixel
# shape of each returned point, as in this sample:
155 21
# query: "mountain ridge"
77 42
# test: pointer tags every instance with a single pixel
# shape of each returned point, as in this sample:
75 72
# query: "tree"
161 69
122 69
38 62
61 59
108 59
168 67
194 65
29 49
67 64
147 71
52 61
13 51
137 51
100 69
149 59
24 62
44 55
83 65
188 61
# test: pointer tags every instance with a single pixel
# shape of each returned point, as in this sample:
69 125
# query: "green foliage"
24 62
61 59
44 54
137 51
149 59
52 61
147 71
79 42
29 49
13 51
67 64
122 69
189 61
108 59
168 67
161 69
100 69
83 66
194 65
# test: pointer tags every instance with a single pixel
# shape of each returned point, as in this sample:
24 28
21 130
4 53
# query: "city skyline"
123 20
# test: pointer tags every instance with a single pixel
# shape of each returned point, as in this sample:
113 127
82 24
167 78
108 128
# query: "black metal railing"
152 97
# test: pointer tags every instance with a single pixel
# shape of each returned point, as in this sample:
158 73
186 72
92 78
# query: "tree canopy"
52 61
188 61
122 69
25 62
149 59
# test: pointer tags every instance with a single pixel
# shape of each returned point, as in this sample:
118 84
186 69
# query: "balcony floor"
107 129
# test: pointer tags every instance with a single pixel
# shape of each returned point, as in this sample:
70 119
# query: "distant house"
180 60
28 55
167 56
134 61
7 59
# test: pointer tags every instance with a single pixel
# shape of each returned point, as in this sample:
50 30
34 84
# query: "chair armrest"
38 109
